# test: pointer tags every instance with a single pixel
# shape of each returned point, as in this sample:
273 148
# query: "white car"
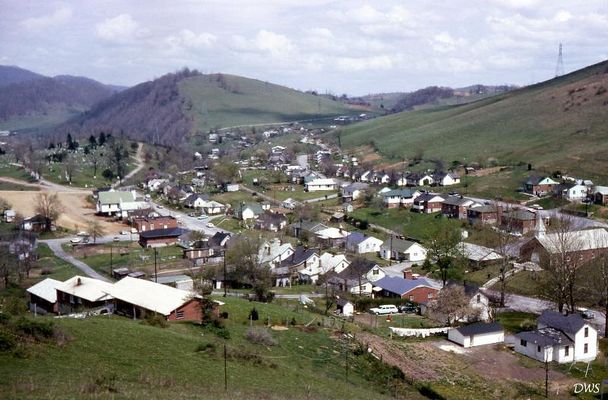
384 309
76 240
210 225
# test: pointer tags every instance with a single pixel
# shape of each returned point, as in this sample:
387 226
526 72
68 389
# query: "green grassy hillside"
559 124
120 358
221 100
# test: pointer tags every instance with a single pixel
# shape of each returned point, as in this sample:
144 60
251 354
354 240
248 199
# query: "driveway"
55 246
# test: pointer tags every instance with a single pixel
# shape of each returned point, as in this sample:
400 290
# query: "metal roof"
480 328
86 288
152 296
400 286
45 289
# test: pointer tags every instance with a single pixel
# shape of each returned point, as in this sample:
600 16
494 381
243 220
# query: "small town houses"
118 203
559 338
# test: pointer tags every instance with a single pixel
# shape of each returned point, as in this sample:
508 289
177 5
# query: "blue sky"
353 47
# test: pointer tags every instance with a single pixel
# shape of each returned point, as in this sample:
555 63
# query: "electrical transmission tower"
559 68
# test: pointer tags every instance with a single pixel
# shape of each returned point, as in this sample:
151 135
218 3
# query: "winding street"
55 246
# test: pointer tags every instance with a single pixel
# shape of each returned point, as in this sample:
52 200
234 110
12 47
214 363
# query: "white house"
366 176
330 262
575 192
446 178
250 211
399 197
359 243
119 203
273 252
354 191
402 250
155 184
345 308
321 184
560 338
232 187
9 215
477 334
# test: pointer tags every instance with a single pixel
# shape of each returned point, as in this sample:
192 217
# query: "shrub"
253 314
224 315
7 343
155 320
205 348
260 336
36 329
14 305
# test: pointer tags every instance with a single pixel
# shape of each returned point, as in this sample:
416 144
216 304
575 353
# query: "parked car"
585 313
210 225
408 308
116 239
76 240
384 309
124 232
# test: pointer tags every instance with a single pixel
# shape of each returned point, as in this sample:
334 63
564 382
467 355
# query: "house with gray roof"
417 290
399 197
402 250
560 338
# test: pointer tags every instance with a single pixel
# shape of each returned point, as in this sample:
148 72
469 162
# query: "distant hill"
561 123
168 108
35 102
10 74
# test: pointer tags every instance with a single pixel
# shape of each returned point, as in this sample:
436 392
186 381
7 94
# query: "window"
567 351
538 349
179 314
479 298
586 348
411 298
430 295
586 331
523 343
375 272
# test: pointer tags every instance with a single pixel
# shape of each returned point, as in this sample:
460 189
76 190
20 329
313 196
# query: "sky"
354 47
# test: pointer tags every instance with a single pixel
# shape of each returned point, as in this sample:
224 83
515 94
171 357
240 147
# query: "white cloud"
59 17
277 45
122 28
562 16
188 39
375 63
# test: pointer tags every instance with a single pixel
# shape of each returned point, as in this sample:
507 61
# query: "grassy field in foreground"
120 358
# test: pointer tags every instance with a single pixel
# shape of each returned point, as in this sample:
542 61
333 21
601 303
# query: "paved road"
303 161
189 222
55 246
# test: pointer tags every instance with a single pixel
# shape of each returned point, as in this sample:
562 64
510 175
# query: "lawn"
549 203
401 220
482 275
59 269
525 283
516 321
10 171
102 258
114 357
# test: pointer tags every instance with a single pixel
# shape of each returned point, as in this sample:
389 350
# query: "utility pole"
547 369
225 369
111 251
155 269
224 283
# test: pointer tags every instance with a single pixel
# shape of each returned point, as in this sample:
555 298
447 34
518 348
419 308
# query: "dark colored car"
408 308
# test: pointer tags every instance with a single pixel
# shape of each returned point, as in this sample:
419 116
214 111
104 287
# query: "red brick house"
457 206
540 186
484 215
160 237
518 221
416 290
144 224
43 296
428 203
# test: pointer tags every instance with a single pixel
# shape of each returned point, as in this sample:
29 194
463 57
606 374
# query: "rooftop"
480 328
45 289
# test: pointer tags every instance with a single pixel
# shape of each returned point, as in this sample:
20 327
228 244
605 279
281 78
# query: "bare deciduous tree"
443 249
49 207
95 230
452 304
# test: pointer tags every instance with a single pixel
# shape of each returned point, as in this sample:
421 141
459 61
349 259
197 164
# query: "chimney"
78 282
407 274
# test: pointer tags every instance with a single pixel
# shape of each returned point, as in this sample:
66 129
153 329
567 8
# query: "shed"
345 307
477 334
